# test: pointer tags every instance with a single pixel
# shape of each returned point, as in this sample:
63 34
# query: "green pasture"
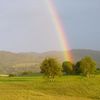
38 88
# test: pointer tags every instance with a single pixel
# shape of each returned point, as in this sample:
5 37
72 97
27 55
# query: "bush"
26 73
97 72
12 75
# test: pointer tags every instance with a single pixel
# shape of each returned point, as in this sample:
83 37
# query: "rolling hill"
17 62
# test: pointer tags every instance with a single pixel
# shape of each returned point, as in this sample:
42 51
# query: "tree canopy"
87 66
67 67
50 67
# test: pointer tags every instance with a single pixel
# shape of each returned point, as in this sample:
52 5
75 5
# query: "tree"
87 66
67 67
50 68
77 68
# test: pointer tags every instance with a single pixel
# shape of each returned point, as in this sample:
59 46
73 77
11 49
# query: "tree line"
50 67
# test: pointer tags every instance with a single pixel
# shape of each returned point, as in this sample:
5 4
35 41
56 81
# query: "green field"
63 88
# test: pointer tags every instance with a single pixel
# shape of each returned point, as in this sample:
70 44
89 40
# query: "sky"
26 25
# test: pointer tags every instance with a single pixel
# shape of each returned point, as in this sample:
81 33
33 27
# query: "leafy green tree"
67 67
77 68
50 68
87 66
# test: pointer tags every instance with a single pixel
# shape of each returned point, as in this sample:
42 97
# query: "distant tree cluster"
51 68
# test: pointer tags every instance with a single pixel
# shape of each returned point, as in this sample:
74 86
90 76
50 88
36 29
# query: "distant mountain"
18 62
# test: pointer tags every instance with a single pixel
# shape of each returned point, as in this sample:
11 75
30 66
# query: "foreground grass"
63 88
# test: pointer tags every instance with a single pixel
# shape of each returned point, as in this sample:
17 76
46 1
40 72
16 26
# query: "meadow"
37 88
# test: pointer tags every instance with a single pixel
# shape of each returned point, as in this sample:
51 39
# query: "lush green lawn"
63 88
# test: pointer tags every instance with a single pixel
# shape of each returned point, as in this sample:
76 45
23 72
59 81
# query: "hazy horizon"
45 51
26 25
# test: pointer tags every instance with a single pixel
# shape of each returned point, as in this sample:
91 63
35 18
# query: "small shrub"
12 75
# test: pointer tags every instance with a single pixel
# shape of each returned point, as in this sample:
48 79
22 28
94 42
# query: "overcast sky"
26 25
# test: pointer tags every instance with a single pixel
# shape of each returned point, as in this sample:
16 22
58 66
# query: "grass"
63 88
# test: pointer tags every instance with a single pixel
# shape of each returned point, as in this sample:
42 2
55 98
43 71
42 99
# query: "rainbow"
59 29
